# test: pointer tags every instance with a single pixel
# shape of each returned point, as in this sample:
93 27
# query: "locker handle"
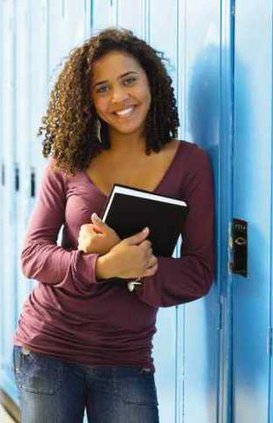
238 245
32 183
17 178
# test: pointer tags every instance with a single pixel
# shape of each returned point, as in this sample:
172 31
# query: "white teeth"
125 112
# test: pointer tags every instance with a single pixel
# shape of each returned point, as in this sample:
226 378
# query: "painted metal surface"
186 344
253 203
35 37
193 346
8 274
201 124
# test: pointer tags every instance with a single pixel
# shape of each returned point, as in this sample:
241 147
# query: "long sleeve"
42 259
184 279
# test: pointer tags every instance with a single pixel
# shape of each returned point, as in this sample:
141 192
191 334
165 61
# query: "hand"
131 258
97 237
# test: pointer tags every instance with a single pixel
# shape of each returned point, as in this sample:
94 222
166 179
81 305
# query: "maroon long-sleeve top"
71 315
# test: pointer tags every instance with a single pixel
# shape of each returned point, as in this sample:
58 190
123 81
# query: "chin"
130 129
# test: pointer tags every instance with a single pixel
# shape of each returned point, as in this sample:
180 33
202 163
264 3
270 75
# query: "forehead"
114 64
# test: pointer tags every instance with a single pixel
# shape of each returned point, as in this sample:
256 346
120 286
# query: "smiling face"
120 93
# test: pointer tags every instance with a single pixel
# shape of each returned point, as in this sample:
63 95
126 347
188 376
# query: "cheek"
146 95
147 98
100 106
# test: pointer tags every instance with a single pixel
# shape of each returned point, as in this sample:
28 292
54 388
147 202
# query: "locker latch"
238 247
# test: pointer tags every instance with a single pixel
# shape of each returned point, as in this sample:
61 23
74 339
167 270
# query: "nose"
119 95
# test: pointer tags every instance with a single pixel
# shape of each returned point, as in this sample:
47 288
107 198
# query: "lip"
125 111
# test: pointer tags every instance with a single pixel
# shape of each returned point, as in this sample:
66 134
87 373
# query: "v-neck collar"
155 190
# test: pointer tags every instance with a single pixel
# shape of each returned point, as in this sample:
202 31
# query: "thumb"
103 227
138 238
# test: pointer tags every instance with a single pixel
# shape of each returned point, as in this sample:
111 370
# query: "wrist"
103 267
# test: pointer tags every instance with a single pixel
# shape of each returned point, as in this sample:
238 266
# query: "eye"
130 80
101 89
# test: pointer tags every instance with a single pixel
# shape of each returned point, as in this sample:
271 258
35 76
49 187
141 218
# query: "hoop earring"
98 129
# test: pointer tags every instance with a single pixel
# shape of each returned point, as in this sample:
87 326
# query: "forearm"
178 281
188 278
49 263
41 258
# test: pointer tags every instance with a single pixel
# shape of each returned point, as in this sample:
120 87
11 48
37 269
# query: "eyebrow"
120 77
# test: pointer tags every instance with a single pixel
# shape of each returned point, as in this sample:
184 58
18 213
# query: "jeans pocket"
140 389
37 373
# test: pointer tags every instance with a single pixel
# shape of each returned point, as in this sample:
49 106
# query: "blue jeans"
53 391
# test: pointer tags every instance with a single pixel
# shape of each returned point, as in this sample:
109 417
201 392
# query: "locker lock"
238 247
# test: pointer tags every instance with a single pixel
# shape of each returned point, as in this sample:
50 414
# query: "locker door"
199 94
253 203
186 347
104 13
40 25
23 136
133 15
1 193
35 37
8 241
162 33
165 343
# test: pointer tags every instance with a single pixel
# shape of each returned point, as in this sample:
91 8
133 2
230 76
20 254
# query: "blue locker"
213 356
183 376
28 66
8 152
136 21
23 136
103 14
252 201
187 366
169 355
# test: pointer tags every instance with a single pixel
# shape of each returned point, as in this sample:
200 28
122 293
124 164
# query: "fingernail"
95 216
146 229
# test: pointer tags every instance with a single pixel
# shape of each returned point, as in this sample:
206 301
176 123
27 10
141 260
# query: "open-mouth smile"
125 112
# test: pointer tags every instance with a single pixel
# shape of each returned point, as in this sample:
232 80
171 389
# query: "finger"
137 238
96 229
146 244
149 255
87 230
150 252
152 262
151 271
100 225
80 237
90 229
86 226
81 247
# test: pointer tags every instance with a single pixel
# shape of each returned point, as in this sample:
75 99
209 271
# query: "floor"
4 416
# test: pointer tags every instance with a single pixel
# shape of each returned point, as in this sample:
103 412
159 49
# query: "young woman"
84 340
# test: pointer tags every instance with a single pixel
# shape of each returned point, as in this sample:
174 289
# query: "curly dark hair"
69 125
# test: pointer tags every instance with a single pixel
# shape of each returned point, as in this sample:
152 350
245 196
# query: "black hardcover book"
129 210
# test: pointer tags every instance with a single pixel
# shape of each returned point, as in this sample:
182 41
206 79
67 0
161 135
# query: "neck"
127 144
